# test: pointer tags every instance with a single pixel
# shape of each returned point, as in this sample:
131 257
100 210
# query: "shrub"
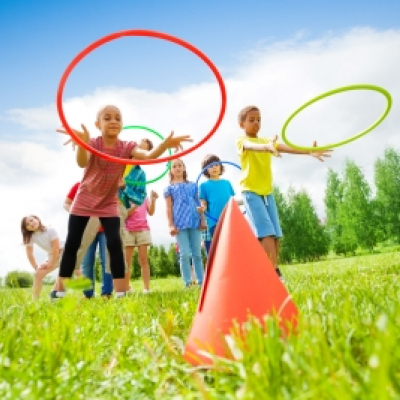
18 279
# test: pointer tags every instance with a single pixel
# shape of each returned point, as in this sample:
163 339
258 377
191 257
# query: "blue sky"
275 54
40 38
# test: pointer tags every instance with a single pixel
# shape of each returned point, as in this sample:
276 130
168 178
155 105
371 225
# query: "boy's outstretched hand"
84 135
172 142
271 147
318 154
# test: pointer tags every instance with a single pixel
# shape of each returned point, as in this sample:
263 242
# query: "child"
137 234
34 232
256 182
131 192
185 220
93 236
97 195
214 194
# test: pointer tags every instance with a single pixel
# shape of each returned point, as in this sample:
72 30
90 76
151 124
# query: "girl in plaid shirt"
186 220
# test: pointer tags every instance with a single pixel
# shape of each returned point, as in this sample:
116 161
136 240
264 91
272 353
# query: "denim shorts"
262 214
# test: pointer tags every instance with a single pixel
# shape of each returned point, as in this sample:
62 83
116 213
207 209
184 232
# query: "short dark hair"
149 143
209 159
243 113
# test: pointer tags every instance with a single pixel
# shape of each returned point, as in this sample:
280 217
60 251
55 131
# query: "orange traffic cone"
239 281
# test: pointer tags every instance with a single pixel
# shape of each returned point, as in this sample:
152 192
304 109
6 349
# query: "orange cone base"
240 280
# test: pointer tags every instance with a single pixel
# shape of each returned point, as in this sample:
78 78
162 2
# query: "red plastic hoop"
147 33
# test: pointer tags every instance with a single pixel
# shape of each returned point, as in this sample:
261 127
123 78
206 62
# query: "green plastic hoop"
168 163
330 93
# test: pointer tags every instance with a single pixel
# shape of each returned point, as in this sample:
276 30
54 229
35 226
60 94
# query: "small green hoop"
330 93
168 163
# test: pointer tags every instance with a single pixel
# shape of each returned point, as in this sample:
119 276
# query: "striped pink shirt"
97 193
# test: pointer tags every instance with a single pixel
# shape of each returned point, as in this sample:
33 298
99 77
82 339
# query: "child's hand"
45 265
85 136
132 210
201 209
153 195
318 154
270 147
203 226
172 230
121 183
175 142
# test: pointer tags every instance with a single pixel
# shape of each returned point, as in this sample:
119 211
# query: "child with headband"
214 193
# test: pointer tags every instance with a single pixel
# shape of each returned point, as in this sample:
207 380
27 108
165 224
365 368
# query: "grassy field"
348 346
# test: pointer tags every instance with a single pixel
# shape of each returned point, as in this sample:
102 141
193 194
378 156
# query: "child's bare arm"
318 154
204 204
31 257
270 147
170 142
55 253
239 202
172 228
67 204
82 155
151 206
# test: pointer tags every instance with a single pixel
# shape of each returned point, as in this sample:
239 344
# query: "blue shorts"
262 214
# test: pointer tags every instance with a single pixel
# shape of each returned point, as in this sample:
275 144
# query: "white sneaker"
146 291
130 291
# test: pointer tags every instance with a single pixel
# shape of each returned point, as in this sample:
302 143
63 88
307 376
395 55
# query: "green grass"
347 346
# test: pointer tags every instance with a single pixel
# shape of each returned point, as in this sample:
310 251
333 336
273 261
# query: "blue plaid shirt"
184 199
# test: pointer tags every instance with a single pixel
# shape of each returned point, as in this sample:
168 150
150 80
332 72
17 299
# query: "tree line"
357 216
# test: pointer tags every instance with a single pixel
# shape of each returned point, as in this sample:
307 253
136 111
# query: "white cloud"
277 77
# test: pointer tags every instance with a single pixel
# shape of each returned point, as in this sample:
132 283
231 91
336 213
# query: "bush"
18 279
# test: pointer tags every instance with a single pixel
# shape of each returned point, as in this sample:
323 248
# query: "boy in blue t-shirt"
214 193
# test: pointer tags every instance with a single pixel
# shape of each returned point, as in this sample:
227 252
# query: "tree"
356 214
18 279
309 240
387 183
136 270
285 255
333 201
173 261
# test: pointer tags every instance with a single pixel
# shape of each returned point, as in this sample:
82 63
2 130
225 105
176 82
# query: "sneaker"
130 291
53 294
146 291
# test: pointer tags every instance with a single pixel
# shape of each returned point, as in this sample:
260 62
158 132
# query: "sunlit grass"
347 346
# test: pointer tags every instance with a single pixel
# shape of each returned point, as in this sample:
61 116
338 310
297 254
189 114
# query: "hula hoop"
209 166
147 33
169 150
330 93
81 283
